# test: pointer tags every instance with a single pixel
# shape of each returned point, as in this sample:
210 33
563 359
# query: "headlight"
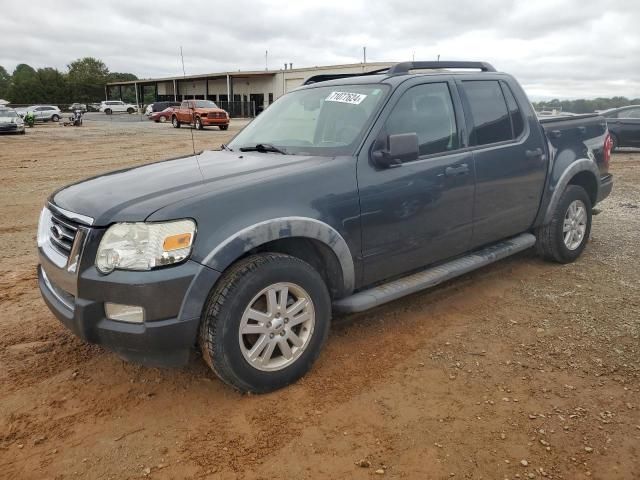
143 246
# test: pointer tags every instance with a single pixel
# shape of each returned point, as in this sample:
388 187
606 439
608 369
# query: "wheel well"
315 253
587 181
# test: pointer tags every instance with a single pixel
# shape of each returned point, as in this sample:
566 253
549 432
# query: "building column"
120 90
206 89
175 91
135 85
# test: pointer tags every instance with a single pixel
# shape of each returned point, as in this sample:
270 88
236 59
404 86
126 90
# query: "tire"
130 110
227 351
162 119
55 118
175 122
108 111
614 143
199 125
224 127
551 241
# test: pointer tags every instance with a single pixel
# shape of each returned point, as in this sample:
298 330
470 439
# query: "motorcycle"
76 118
29 119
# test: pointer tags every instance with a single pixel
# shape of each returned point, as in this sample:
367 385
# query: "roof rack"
405 67
335 76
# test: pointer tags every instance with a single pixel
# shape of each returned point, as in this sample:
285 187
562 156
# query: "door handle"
462 169
533 154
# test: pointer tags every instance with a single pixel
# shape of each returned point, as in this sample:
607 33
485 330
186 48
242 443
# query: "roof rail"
405 67
334 76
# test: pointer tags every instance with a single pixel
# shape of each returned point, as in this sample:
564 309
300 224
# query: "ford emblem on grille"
56 232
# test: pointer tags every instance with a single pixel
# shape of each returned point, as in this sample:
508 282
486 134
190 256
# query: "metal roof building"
239 91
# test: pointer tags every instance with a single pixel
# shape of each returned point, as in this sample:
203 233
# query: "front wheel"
224 127
199 125
175 122
55 118
130 110
564 238
265 322
108 111
162 119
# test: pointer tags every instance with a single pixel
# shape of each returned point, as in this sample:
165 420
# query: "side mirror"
403 147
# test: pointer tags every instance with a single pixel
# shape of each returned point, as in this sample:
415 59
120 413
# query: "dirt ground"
524 369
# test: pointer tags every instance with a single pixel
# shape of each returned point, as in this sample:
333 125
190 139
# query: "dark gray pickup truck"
346 193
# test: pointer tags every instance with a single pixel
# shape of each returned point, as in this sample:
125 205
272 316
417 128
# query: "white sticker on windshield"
346 97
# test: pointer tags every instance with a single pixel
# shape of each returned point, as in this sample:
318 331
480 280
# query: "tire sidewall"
227 347
175 122
571 194
614 142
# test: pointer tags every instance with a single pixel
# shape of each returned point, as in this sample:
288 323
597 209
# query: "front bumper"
11 128
606 186
214 121
173 299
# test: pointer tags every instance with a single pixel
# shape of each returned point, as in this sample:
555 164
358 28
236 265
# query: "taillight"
608 145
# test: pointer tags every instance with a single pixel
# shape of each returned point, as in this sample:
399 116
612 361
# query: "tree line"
83 82
585 106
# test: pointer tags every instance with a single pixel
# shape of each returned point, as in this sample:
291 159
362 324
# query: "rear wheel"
162 119
265 322
566 236
614 142
108 111
130 110
175 122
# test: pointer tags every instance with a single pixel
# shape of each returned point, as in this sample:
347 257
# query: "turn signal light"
176 242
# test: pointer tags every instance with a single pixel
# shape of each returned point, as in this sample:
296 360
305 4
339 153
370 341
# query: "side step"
431 277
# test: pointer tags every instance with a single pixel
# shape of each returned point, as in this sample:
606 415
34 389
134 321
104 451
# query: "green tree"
25 86
5 82
54 87
121 77
87 77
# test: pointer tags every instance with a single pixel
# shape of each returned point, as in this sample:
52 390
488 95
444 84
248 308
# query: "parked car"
624 126
341 196
78 106
42 113
163 116
116 106
10 121
159 106
200 114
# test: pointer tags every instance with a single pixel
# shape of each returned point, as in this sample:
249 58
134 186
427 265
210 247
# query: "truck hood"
133 194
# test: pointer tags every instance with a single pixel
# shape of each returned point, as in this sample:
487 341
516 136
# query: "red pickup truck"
200 114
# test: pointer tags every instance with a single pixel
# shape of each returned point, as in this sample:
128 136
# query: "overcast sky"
556 48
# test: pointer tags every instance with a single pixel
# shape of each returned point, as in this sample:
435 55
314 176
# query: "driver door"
418 212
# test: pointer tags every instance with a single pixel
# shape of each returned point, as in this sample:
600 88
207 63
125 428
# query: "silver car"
10 121
42 113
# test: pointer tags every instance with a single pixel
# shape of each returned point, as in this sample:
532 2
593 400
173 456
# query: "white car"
116 106
10 121
42 113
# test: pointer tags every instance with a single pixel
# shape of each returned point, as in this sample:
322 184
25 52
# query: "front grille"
216 115
8 127
62 233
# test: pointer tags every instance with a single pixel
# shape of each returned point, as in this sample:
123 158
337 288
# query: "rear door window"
491 120
631 113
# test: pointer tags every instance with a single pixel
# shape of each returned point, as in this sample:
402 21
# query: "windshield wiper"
264 147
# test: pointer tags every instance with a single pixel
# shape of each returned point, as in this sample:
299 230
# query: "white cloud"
568 48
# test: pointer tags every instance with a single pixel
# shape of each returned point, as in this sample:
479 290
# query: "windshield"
8 114
325 121
205 104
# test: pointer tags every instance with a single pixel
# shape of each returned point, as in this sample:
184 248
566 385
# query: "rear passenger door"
420 211
629 128
509 157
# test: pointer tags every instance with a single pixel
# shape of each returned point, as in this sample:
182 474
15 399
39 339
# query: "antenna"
184 76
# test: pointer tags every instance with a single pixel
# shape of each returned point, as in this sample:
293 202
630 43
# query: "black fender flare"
260 233
580 165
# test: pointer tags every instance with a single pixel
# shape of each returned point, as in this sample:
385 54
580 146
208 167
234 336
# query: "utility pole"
364 55
438 57
266 59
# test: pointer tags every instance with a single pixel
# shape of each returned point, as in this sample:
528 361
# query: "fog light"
124 313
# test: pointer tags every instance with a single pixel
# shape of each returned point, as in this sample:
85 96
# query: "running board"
433 276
